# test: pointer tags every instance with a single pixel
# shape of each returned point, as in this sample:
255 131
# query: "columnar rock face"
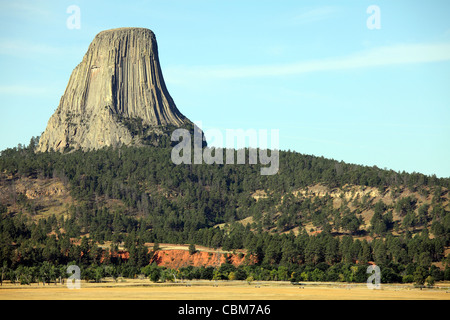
116 92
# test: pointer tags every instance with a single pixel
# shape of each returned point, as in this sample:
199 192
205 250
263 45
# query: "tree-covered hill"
314 211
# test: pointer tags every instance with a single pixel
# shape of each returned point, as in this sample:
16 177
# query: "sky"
364 82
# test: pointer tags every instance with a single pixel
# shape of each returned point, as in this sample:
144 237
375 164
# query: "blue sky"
312 69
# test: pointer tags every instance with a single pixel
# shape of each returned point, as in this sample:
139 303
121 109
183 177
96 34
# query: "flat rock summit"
115 96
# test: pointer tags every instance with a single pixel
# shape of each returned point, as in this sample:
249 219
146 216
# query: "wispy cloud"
314 15
23 47
26 90
376 57
26 8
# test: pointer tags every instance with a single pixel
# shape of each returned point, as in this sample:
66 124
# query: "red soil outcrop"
175 259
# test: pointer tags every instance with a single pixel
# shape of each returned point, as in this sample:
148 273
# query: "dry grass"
205 290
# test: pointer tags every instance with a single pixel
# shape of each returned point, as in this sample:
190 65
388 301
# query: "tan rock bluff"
115 96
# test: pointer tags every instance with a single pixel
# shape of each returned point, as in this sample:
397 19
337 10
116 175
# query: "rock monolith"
115 96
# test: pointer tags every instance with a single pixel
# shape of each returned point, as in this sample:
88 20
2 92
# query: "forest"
160 202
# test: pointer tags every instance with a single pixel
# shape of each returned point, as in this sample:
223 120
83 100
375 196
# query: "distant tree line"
26 245
163 202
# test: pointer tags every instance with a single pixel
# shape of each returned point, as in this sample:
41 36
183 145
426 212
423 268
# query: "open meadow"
220 290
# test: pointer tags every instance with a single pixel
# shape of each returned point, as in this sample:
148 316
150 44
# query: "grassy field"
210 290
